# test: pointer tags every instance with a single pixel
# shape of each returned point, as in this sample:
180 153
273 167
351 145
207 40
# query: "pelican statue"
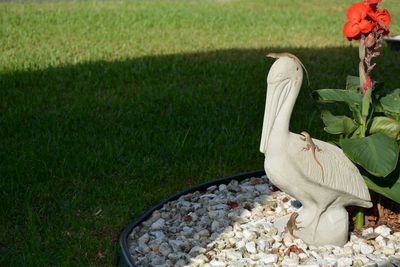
316 173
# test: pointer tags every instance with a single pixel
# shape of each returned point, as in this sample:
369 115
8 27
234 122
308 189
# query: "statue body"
316 173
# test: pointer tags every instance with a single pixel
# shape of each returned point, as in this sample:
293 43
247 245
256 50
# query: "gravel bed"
233 225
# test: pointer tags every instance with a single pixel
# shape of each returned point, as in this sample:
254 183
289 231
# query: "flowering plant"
370 136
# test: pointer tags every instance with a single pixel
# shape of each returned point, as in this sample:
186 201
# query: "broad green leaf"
353 83
386 125
391 104
377 153
388 187
338 124
351 98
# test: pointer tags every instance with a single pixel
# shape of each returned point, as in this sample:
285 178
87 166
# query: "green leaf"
338 124
391 104
377 153
388 187
351 98
353 83
386 125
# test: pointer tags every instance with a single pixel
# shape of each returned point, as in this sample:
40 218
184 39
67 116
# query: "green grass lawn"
108 107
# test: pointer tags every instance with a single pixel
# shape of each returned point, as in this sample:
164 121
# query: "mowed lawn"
108 107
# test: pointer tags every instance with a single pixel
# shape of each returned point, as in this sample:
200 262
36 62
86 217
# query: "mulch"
384 212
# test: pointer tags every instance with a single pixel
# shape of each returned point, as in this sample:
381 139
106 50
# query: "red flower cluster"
364 16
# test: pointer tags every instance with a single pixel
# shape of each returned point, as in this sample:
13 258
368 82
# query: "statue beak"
276 95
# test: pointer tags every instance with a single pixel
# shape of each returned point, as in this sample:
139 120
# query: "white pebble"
383 230
240 244
249 235
222 187
216 263
158 225
367 231
214 226
202 230
388 251
144 239
288 261
233 255
269 259
251 247
245 214
366 249
344 262
165 249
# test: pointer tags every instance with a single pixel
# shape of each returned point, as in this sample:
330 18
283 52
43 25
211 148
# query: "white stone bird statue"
316 173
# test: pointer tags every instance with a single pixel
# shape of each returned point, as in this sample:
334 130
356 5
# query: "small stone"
216 263
165 249
367 231
395 260
196 250
348 250
302 256
215 226
362 258
357 263
344 262
249 235
180 263
331 260
388 251
159 235
176 245
245 214
198 260
185 203
269 259
261 245
212 188
233 255
220 206
381 241
315 254
383 230
239 244
204 232
157 260
144 239
338 251
287 240
158 225
288 261
251 247
366 249
262 188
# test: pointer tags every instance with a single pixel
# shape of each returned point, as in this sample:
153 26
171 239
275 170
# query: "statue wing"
337 173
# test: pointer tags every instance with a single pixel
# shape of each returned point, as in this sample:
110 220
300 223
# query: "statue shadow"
168 117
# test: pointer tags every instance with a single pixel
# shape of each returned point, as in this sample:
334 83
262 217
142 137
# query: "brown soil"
385 211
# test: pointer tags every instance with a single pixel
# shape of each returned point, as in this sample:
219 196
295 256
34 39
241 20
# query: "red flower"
357 11
358 22
352 29
383 20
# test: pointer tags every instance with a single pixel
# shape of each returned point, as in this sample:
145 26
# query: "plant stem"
359 223
361 69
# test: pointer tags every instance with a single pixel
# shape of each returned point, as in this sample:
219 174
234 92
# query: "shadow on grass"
86 147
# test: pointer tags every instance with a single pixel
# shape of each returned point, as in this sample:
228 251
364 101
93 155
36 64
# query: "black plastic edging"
125 260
